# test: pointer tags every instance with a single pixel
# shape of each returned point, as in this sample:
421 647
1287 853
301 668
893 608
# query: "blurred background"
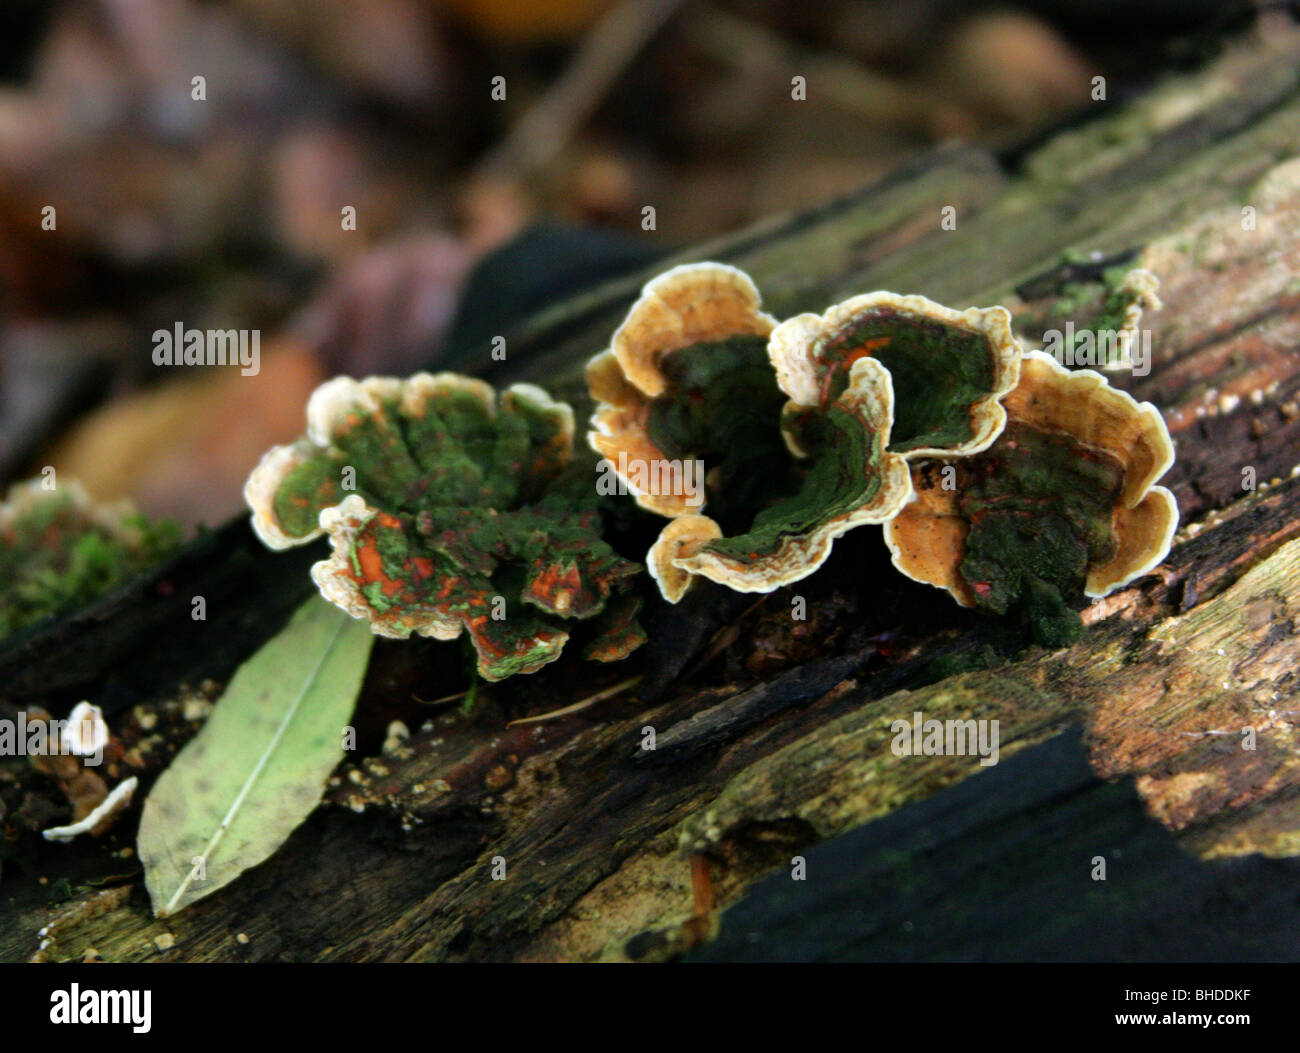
218 203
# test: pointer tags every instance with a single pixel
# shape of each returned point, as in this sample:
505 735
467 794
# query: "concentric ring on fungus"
1099 436
950 369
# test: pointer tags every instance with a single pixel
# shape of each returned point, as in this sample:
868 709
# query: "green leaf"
258 768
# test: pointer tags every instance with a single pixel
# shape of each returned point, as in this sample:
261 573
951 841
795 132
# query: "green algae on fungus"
1062 507
722 407
950 369
448 512
59 550
850 479
686 379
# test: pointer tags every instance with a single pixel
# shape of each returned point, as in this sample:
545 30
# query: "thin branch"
549 125
577 707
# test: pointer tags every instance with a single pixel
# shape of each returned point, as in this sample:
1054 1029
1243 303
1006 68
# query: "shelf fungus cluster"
450 510
805 438
997 474
1000 476
688 381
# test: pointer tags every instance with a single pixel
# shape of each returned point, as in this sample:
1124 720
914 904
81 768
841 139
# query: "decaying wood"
771 739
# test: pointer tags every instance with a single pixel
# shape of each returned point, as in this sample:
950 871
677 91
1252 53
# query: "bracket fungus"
849 479
848 394
1062 506
1030 487
686 379
949 369
449 510
680 539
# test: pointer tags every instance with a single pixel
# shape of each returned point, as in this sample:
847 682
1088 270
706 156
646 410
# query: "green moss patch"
57 555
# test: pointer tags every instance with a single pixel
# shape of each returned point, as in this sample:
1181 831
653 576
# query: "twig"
577 707
441 701
549 124
730 39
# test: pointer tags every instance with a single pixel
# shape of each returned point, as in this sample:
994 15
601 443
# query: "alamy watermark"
1111 349
661 477
95 1006
945 738
83 734
179 346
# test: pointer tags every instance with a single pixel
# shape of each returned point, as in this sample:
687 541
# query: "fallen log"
773 735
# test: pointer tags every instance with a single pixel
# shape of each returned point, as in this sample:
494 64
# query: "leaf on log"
258 768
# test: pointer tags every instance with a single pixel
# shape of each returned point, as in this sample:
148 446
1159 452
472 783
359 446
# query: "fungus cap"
854 476
86 732
36 495
950 369
264 483
303 477
427 486
928 537
101 817
343 577
695 305
680 539
688 304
